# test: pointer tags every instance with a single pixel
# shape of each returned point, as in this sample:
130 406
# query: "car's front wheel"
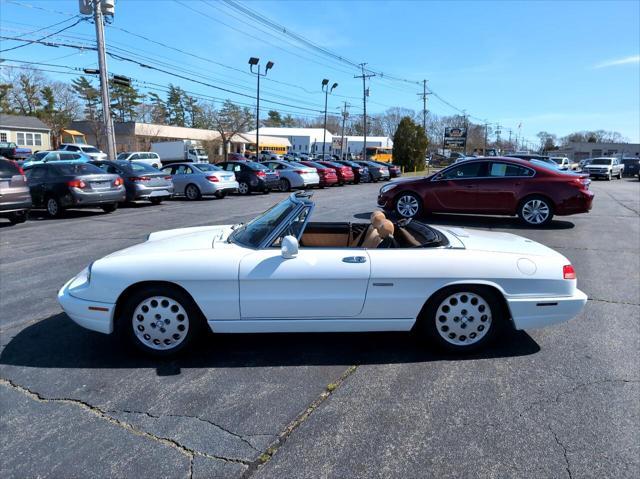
54 208
192 192
160 320
408 205
285 185
535 211
18 217
462 318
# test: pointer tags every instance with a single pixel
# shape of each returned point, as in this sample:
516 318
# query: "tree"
176 113
390 119
124 101
409 144
90 96
228 122
60 108
547 141
159 112
274 119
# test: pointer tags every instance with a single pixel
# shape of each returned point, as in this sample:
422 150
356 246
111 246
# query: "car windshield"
38 156
602 161
207 167
77 169
258 229
90 149
256 166
122 156
132 166
557 160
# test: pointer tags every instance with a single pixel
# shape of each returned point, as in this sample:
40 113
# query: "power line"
43 38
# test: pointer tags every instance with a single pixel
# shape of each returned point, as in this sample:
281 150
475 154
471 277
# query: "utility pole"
326 90
466 130
365 93
345 115
98 8
486 126
424 95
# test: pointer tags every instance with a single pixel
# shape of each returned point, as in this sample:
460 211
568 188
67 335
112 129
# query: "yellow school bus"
380 153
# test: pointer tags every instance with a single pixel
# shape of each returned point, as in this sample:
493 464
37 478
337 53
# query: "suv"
88 150
604 168
252 176
147 157
15 199
564 163
52 156
631 166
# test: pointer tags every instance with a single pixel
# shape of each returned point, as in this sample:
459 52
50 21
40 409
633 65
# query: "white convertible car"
283 273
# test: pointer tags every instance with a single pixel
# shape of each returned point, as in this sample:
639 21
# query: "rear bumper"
81 198
13 206
531 313
88 314
580 203
145 192
219 187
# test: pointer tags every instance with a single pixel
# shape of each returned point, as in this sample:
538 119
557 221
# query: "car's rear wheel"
159 320
192 192
243 188
535 211
54 208
155 201
110 208
620 174
408 205
221 195
18 217
462 318
285 185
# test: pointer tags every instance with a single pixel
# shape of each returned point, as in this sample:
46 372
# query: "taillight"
300 172
168 177
118 182
20 170
568 272
261 174
213 179
140 178
77 184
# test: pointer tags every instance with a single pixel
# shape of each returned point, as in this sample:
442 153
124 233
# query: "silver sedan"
195 180
294 175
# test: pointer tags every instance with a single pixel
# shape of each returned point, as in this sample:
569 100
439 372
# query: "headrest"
386 229
377 217
377 214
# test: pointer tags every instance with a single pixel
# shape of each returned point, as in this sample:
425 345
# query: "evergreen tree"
159 112
409 145
175 106
124 101
90 96
274 120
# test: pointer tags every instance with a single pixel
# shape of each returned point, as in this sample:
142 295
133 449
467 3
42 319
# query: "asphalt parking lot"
557 402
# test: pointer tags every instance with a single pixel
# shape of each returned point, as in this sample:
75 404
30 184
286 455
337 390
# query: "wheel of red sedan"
535 211
408 205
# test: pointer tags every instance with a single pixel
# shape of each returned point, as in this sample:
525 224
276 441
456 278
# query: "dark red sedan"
532 190
328 176
345 173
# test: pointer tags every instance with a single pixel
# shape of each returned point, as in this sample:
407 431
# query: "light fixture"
254 61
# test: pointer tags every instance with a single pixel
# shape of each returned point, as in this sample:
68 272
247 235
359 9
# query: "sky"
556 66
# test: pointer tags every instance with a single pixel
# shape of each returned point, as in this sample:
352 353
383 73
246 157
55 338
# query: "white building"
303 140
354 144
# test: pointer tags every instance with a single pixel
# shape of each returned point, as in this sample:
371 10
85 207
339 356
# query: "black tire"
528 206
110 208
155 201
619 175
609 176
192 192
18 217
462 327
221 195
243 188
408 205
285 186
266 191
54 207
129 321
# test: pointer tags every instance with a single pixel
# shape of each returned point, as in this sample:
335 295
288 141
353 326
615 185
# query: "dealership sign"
337 143
455 137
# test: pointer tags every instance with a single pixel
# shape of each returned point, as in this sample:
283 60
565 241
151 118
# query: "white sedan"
283 273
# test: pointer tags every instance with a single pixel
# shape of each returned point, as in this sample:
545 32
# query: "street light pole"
326 90
253 61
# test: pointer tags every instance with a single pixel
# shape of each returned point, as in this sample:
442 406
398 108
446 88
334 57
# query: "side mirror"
289 247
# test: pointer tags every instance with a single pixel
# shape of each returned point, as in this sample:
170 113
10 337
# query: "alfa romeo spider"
281 272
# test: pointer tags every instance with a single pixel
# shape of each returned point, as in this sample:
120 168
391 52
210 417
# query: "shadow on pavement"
476 221
57 342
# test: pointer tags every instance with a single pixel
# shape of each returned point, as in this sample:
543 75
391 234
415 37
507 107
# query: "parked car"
294 175
498 186
11 151
360 172
194 180
147 157
252 176
631 166
236 157
52 156
345 173
377 172
281 272
564 163
141 181
583 163
323 157
605 168
91 151
394 170
266 155
533 156
328 175
62 185
15 199
462 158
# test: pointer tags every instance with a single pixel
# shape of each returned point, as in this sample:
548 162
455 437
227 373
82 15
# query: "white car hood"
495 242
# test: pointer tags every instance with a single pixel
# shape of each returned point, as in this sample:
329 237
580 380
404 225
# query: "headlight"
386 188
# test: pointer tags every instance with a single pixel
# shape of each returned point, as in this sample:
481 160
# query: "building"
577 151
354 144
302 140
25 131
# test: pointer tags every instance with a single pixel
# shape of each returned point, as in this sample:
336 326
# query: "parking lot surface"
557 402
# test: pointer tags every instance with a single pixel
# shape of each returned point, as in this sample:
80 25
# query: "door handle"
354 259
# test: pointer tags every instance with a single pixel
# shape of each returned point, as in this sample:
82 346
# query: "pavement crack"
599 300
297 422
188 452
564 452
621 203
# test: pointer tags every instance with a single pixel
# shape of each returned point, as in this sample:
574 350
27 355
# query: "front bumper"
88 314
532 313
599 174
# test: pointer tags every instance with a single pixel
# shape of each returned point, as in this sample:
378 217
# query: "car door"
499 191
456 188
318 283
181 177
36 177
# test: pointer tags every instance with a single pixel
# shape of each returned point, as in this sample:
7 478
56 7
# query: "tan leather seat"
370 232
385 229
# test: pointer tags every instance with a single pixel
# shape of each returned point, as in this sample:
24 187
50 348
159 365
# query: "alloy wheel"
192 192
463 318
243 188
52 207
535 211
407 206
160 323
284 185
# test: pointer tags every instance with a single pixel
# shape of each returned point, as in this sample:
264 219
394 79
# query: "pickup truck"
604 168
11 151
565 163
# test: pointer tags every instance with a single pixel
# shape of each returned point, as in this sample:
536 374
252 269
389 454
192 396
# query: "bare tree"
228 121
